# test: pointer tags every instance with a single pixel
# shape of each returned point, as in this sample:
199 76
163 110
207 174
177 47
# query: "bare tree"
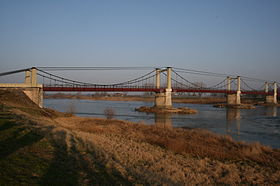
71 109
109 113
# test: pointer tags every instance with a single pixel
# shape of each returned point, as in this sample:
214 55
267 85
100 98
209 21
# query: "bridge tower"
30 86
271 99
32 89
234 98
163 99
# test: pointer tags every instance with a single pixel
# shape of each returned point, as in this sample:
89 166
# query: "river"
257 125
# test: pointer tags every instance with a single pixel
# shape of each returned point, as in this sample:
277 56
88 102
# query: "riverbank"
100 151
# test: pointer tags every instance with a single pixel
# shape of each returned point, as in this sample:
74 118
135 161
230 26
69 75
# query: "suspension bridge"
162 81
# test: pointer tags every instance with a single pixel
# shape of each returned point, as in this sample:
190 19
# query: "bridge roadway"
34 90
147 89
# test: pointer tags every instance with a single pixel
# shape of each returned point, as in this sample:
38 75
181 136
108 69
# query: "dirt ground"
126 153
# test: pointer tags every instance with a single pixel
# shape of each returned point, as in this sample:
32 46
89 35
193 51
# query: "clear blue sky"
227 36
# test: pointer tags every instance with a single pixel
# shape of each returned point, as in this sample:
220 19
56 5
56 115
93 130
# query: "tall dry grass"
205 158
150 155
194 142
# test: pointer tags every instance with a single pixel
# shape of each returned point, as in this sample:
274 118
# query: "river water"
257 125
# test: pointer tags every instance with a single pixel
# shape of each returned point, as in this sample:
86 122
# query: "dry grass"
144 160
198 143
151 155
16 98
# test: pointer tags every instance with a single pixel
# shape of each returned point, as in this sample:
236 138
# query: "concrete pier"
30 87
275 93
27 77
234 99
238 92
163 99
271 99
35 92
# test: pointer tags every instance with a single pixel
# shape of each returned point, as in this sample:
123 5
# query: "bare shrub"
109 113
71 109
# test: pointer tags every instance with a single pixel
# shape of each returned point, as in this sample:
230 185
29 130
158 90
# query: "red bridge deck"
145 89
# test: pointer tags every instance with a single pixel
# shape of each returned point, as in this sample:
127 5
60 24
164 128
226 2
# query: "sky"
226 36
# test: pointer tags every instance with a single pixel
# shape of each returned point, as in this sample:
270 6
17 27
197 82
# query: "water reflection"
271 111
233 119
163 120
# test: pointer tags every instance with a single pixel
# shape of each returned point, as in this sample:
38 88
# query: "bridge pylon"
163 99
234 98
33 90
271 99
30 87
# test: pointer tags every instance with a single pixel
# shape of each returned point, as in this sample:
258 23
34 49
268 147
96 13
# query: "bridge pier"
30 87
35 94
234 99
163 99
33 90
271 99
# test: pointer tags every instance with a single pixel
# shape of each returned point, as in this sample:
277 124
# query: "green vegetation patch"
29 158
20 158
